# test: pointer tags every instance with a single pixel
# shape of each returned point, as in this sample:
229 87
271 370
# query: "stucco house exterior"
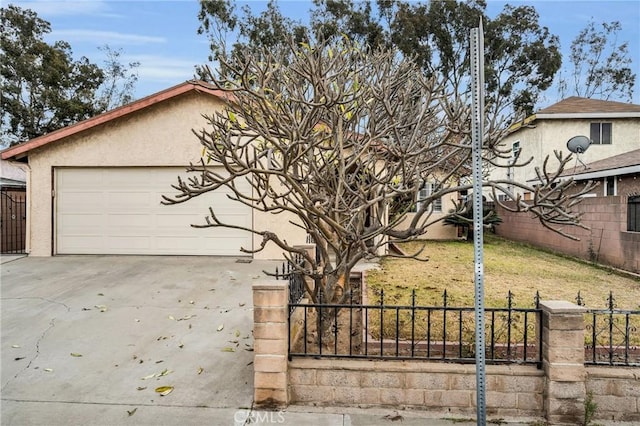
613 127
95 187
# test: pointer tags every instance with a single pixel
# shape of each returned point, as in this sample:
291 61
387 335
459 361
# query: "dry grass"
508 266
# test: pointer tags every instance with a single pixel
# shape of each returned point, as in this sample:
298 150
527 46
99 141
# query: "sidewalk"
73 413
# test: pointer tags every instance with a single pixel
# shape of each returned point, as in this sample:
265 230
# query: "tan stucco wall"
160 135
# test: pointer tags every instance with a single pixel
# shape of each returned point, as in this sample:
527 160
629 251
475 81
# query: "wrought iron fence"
13 220
612 336
383 331
291 271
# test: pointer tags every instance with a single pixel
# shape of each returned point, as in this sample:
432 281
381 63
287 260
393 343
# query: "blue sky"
162 34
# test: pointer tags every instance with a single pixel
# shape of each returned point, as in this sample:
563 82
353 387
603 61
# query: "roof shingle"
577 105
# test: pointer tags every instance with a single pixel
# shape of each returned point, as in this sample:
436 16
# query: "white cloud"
105 37
162 68
45 8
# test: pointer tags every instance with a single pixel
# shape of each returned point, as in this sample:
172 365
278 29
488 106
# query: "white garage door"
118 211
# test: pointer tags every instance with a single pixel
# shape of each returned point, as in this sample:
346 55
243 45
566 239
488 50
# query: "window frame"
424 192
600 132
605 186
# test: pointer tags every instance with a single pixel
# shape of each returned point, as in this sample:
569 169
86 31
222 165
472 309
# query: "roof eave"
587 115
21 150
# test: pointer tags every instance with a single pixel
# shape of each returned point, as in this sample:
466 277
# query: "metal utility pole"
477 131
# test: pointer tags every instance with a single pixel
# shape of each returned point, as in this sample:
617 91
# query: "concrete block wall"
450 388
616 391
557 391
607 241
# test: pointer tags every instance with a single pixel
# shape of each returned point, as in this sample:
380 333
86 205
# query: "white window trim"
605 185
425 192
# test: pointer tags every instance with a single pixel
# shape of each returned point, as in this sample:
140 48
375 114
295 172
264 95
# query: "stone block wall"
616 391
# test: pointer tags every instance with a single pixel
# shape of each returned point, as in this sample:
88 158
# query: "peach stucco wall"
160 135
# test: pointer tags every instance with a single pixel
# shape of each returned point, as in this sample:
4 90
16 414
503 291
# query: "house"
612 127
95 187
610 212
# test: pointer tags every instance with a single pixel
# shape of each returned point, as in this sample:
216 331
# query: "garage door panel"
119 211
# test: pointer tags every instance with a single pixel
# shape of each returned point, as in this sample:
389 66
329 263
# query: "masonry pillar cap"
561 307
271 284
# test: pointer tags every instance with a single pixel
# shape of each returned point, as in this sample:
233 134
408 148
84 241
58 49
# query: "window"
633 214
601 133
425 192
515 149
610 187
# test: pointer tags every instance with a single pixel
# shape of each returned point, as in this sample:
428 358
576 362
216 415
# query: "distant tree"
119 80
43 87
600 65
522 57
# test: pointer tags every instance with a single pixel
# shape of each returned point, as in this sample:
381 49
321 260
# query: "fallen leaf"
103 308
100 294
75 354
132 412
171 318
186 317
181 345
15 346
164 372
237 333
141 388
191 302
241 304
150 376
19 358
137 320
200 370
220 327
48 370
190 326
164 390
159 361
228 349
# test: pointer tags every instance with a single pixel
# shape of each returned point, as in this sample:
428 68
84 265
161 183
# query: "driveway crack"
52 324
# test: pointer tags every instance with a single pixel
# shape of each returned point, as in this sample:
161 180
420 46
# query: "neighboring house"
95 187
617 175
13 219
611 212
613 127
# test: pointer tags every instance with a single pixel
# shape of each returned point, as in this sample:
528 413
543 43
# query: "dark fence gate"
13 221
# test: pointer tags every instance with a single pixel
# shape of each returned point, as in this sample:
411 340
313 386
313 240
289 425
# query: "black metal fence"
13 221
612 336
291 271
443 333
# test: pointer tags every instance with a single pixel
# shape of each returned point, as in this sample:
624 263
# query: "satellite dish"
578 144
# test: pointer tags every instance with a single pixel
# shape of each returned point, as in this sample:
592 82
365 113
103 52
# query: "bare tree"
333 138
600 64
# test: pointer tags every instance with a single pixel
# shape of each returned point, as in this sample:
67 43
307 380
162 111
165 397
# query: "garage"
117 210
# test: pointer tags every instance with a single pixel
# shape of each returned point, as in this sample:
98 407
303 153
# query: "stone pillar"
270 343
563 362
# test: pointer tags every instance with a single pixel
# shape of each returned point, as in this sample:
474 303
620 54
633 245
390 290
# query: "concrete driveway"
88 339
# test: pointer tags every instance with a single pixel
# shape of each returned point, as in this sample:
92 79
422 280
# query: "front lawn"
507 266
